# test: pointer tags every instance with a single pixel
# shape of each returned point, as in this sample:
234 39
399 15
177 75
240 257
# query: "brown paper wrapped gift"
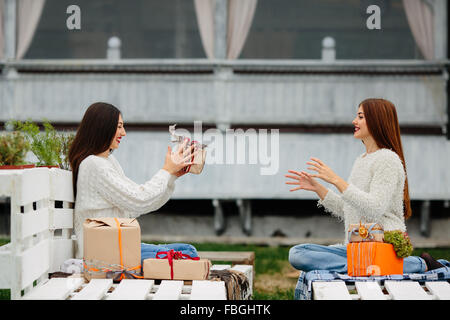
199 150
199 160
363 232
111 245
182 269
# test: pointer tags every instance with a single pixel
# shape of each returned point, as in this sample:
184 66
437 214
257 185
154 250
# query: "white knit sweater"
103 190
374 194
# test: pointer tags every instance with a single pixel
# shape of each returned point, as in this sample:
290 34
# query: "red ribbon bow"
177 255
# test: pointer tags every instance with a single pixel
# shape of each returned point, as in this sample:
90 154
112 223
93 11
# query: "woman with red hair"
376 191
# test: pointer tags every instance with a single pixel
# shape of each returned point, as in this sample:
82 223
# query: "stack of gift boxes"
368 254
112 249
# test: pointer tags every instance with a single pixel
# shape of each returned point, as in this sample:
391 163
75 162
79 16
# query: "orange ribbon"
122 273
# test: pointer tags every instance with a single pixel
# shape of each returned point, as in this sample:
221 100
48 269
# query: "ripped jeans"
307 257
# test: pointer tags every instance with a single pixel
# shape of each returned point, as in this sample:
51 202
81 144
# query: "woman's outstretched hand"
323 171
304 181
177 161
326 174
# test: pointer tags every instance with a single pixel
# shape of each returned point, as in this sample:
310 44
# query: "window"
294 29
147 29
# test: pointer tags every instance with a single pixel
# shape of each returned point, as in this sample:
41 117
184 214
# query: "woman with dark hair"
376 191
99 183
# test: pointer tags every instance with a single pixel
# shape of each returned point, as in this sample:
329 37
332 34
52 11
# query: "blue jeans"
307 257
150 250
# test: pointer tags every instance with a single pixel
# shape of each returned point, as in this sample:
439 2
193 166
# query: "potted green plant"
49 146
13 150
44 144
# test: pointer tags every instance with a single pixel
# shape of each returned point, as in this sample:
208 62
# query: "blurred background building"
300 66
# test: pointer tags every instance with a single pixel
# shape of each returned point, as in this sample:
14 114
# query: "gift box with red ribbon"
174 265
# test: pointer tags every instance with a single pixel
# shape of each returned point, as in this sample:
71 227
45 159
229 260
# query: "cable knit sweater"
103 190
374 193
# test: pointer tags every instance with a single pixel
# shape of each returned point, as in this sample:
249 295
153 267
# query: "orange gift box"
372 259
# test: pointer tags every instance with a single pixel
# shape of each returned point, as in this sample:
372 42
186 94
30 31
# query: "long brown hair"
94 135
382 123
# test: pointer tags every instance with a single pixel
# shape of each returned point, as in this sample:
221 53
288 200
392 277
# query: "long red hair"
382 123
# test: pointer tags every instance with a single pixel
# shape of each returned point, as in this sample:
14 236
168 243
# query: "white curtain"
239 20
204 10
421 21
28 15
240 17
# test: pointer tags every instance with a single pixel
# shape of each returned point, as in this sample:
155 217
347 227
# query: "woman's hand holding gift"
177 161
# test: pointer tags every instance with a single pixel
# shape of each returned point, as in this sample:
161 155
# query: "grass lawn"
275 278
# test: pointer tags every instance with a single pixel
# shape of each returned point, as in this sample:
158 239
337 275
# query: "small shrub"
49 146
44 145
401 242
13 149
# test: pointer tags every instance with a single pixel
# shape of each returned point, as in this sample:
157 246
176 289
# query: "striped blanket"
303 290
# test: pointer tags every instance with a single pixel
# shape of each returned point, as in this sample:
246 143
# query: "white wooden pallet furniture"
41 226
372 290
76 288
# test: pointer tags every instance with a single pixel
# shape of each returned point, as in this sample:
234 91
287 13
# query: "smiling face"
120 132
361 131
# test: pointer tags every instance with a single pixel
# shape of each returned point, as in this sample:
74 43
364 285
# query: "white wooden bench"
372 290
41 240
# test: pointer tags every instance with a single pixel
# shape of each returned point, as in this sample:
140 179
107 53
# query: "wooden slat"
61 219
369 290
61 185
440 289
32 185
220 267
330 290
34 262
238 257
132 289
5 266
208 290
406 290
62 250
169 290
7 177
95 290
55 289
32 222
